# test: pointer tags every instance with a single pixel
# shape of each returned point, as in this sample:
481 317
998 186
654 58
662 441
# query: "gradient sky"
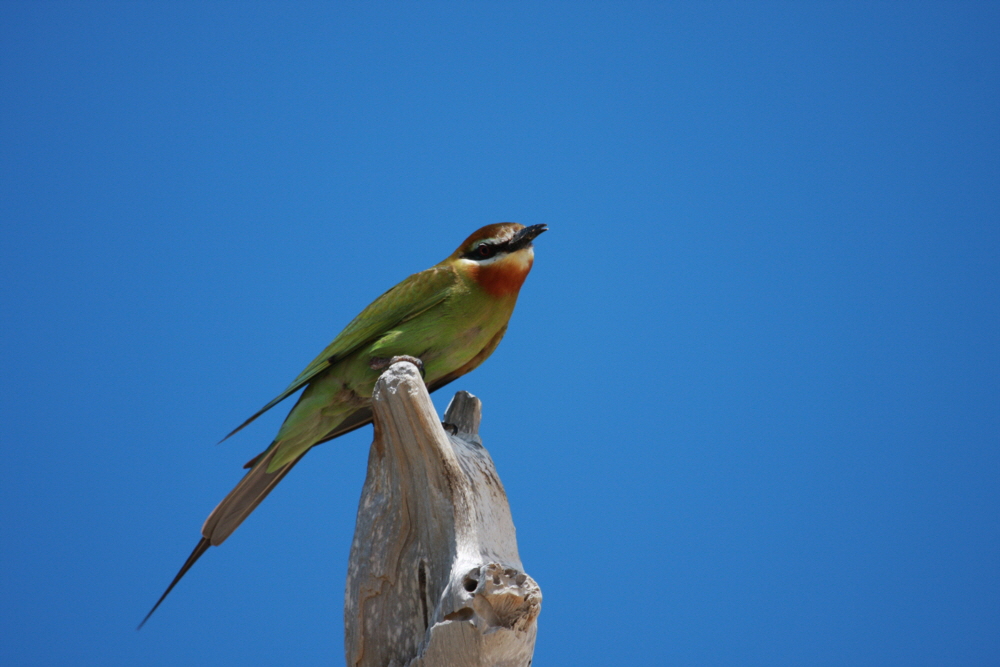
748 408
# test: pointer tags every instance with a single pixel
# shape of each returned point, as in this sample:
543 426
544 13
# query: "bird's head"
498 257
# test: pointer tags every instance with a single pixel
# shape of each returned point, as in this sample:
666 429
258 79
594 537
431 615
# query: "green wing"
413 296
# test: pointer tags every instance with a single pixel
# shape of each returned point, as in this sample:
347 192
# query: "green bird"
450 317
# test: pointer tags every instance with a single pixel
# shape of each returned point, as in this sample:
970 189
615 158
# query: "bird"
447 319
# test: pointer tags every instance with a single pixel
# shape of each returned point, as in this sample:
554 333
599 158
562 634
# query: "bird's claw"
382 363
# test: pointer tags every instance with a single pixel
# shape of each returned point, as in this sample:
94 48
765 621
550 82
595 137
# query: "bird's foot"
451 428
382 363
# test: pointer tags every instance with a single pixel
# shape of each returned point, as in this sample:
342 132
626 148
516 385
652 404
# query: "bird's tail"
253 488
199 549
230 513
244 498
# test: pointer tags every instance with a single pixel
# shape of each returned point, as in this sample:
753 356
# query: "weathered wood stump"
434 577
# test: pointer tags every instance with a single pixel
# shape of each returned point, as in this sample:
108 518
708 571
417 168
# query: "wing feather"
410 298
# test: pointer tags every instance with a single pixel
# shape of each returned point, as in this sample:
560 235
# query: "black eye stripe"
484 251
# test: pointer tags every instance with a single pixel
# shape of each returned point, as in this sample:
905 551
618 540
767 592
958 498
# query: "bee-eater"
450 317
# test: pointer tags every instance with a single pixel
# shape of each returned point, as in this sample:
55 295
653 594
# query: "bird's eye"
485 251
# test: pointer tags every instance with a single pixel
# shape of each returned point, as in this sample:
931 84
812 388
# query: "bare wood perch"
434 577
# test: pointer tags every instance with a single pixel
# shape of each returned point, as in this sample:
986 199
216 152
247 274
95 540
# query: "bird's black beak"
524 237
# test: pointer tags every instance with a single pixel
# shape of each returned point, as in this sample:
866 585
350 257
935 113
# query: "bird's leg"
382 363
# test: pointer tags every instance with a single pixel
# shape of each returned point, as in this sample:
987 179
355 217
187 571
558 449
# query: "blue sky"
748 408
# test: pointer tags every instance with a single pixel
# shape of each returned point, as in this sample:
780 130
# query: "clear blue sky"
747 411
